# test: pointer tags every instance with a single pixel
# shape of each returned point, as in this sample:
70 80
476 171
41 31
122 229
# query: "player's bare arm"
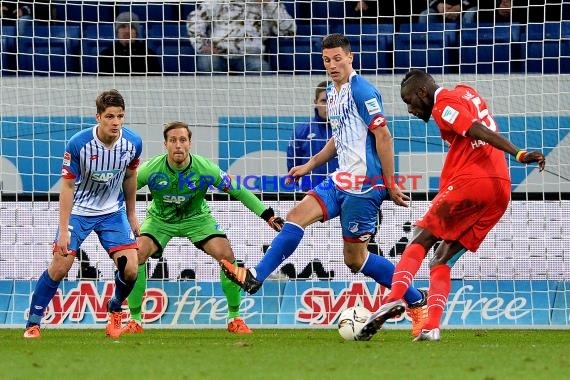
65 205
130 193
321 158
385 149
480 132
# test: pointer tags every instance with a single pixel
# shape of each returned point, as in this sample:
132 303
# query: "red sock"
439 288
406 269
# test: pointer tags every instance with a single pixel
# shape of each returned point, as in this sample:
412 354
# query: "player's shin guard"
135 298
439 288
405 271
233 295
281 248
43 293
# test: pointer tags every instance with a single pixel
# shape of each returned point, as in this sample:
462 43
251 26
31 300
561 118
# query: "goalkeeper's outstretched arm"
249 200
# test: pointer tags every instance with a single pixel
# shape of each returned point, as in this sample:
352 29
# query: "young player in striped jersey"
98 193
458 215
178 182
363 143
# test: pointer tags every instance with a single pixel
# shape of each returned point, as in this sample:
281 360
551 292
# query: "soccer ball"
351 322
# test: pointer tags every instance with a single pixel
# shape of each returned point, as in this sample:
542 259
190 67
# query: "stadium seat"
291 7
490 48
171 41
150 11
320 30
565 47
427 46
8 50
547 48
332 11
49 50
95 38
186 9
374 42
79 12
542 49
301 55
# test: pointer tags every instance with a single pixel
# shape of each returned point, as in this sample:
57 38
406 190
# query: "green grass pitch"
285 354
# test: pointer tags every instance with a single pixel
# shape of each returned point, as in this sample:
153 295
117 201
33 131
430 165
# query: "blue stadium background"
77 31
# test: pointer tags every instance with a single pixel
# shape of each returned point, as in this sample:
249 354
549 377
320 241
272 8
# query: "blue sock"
122 290
381 270
43 293
280 249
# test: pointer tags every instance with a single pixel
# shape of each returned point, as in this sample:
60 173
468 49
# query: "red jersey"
454 112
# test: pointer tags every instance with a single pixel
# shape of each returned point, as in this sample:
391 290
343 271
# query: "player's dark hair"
321 87
416 77
336 40
176 125
109 98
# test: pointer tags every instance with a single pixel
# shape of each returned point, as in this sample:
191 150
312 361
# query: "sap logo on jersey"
103 176
176 199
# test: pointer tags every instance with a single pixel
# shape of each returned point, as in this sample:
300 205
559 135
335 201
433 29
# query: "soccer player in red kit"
474 193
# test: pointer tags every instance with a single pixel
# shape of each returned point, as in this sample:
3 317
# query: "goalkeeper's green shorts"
198 230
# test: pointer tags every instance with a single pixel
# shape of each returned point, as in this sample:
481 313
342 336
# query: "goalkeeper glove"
274 222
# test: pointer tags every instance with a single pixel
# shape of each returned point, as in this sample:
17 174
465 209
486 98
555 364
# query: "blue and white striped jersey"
354 111
99 171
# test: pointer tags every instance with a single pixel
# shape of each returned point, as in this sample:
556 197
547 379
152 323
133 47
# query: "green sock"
135 299
233 295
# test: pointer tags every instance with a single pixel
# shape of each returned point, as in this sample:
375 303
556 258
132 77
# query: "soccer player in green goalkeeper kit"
178 182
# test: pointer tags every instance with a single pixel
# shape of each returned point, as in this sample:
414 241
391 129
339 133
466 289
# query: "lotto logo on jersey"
65 173
103 176
379 121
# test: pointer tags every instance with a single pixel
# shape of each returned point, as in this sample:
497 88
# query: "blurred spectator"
128 55
368 12
7 12
24 18
519 11
43 10
385 12
495 11
24 13
230 35
309 138
450 11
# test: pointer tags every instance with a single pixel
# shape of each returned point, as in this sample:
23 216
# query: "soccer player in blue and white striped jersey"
98 193
355 191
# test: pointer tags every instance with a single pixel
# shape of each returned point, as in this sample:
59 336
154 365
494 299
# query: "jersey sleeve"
135 162
224 182
369 104
71 165
452 115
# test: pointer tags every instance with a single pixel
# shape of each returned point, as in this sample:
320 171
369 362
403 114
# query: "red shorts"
467 210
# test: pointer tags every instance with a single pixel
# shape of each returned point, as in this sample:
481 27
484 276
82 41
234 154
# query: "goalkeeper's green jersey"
178 194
